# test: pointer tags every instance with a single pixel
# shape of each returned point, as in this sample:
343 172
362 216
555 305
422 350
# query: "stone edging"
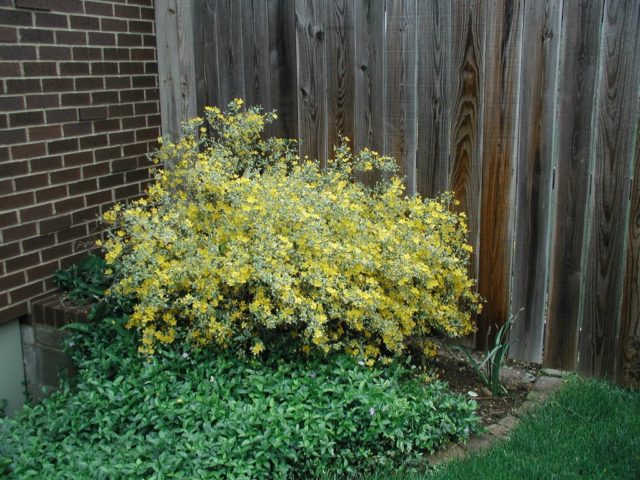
548 382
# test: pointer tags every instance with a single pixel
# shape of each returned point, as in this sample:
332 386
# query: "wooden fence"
527 109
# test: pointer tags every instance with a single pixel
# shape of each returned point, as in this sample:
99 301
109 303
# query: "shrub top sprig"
242 244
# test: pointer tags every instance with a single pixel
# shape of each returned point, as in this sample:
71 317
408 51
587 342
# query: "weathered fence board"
527 110
500 136
534 176
434 97
581 24
617 94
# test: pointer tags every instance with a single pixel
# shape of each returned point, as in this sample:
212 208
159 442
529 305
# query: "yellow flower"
257 348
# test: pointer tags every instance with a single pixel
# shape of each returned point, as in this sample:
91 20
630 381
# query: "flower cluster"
240 243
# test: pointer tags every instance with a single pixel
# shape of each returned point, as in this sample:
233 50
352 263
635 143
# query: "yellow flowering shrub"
240 243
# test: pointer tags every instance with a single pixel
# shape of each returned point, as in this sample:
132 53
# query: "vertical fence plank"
255 54
628 372
176 69
434 97
205 53
617 96
400 85
230 51
580 43
500 140
467 72
312 78
340 73
283 70
369 109
540 46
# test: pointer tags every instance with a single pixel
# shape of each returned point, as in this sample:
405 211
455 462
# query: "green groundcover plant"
241 244
202 413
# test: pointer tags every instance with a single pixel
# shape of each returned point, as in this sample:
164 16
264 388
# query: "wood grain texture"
500 141
282 64
467 72
401 126
230 51
581 26
205 53
340 73
628 371
176 70
617 96
369 111
534 176
255 54
312 79
434 97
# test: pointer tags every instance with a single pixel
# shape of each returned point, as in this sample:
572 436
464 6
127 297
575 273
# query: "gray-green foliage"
198 414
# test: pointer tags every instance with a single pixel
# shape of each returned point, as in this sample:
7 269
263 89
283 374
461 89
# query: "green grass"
587 430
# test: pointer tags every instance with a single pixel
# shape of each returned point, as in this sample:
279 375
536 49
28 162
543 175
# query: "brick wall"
78 113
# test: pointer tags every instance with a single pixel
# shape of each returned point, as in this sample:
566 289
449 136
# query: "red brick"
96 169
78 128
55 53
93 113
140 26
57 85
121 138
129 40
10 69
44 133
89 83
8 137
131 95
83 186
87 53
15 17
8 218
13 312
74 68
147 13
32 181
25 292
51 193
11 103
46 164
117 82
38 243
126 11
146 108
117 54
36 213
95 8
122 110
28 150
8 35
65 176
137 149
16 200
12 169
52 20
34 4
107 153
8 250
69 6
43 101
126 192
78 158
106 125
61 146
69 204
42 271
22 262
11 281
71 37
93 141
62 115
149 41
114 25
104 68
39 69
142 54
109 96
98 198
54 224
101 38
81 216
17 52
18 233
131 68
21 119
79 99
56 252
81 22
36 35
23 85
